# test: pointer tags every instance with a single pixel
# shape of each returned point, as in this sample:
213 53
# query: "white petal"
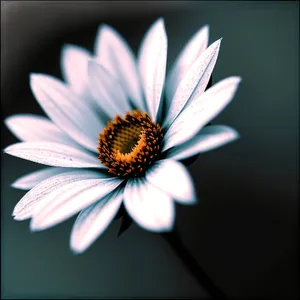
151 208
92 221
209 138
74 62
117 57
67 110
70 199
30 180
152 65
107 91
194 81
24 209
54 154
172 178
193 49
201 111
34 128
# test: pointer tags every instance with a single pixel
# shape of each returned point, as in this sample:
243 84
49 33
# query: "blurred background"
244 231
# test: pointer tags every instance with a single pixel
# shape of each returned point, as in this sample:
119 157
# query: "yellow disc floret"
128 146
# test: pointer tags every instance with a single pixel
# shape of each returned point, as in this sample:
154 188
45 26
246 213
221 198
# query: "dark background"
244 231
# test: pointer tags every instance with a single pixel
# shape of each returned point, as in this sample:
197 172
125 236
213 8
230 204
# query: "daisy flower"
116 131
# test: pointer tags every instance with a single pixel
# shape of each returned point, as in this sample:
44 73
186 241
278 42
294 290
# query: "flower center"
128 146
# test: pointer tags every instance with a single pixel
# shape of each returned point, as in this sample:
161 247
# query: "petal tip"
236 80
65 50
193 200
35 80
205 27
169 227
205 30
158 24
17 218
239 79
236 135
38 77
18 186
103 27
34 76
10 149
216 45
160 20
76 249
6 150
34 226
7 121
67 47
14 185
103 32
17 214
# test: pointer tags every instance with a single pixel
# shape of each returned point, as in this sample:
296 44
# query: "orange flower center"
128 146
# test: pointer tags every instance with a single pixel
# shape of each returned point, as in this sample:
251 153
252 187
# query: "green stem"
192 265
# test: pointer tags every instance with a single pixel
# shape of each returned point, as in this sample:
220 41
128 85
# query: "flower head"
116 131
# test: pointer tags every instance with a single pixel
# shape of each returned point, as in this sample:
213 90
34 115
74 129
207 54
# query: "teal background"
244 231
